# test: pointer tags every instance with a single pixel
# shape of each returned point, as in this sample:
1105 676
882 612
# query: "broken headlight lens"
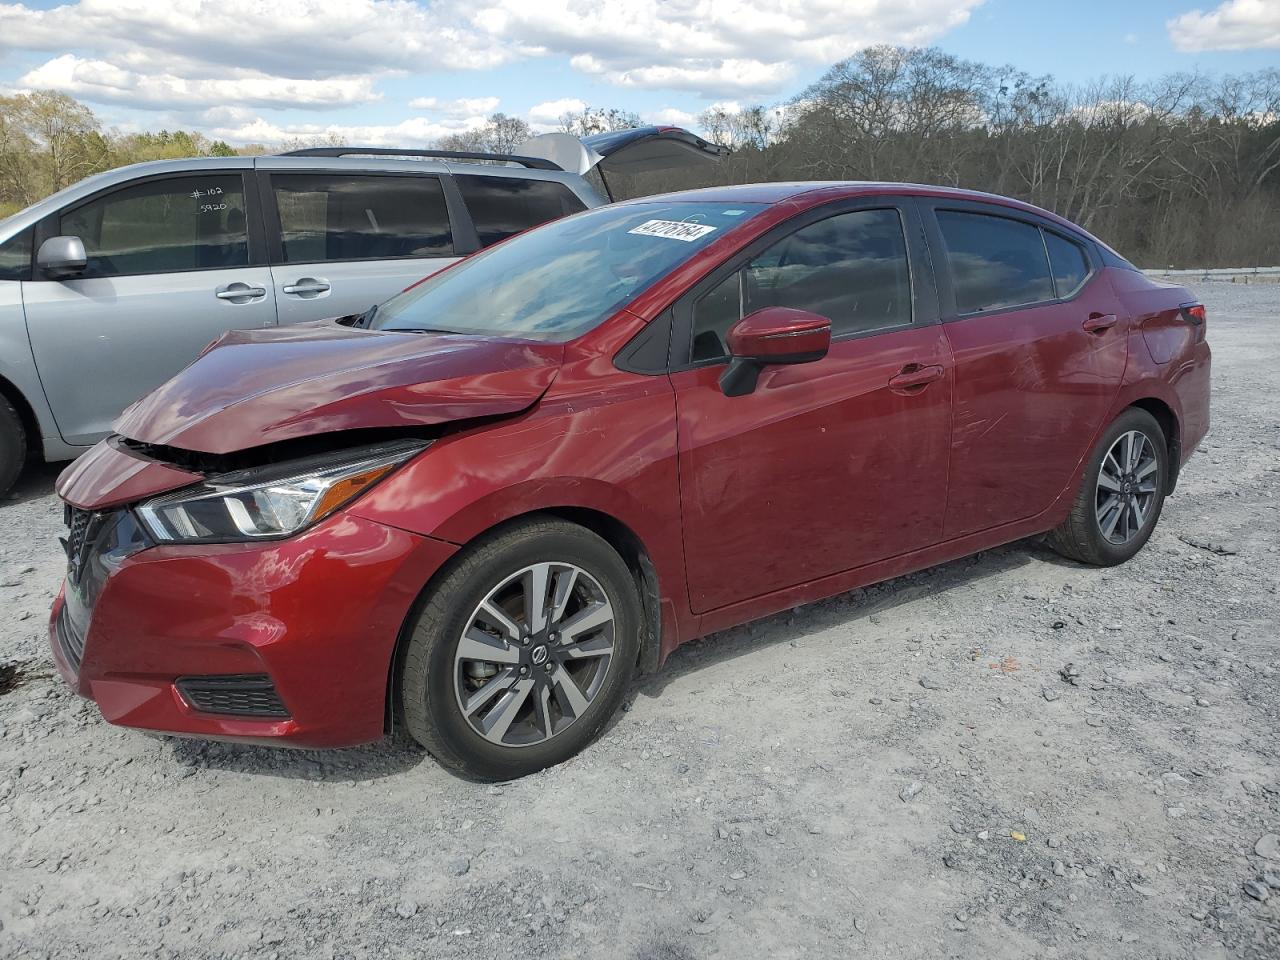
274 501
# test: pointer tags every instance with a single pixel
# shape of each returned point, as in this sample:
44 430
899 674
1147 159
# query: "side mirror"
61 258
772 335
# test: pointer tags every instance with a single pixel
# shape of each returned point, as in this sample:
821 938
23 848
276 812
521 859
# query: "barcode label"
672 230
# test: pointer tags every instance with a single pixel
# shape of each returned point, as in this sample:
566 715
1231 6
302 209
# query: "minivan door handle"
238 292
914 377
307 287
1099 322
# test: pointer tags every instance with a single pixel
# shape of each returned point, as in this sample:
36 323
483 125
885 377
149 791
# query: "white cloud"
671 116
107 83
467 106
714 47
413 132
322 53
552 110
1233 25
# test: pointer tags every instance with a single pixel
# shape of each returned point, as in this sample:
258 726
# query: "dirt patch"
903 771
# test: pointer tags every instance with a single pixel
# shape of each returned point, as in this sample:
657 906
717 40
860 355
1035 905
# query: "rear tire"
555 681
1121 496
13 446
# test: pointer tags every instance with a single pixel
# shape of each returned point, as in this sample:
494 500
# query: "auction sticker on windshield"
672 230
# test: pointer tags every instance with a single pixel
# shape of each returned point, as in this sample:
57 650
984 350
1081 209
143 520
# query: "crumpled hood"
253 387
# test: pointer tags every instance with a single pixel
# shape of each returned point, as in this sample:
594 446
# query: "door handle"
914 377
1099 322
307 287
240 292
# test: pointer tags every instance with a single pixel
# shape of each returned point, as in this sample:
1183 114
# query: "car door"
173 262
1040 348
828 465
344 241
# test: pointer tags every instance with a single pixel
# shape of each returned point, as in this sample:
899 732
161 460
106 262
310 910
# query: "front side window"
504 206
995 262
565 277
15 257
163 226
1069 262
851 268
325 217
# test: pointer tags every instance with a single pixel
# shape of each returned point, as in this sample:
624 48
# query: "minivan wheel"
13 446
1120 500
522 652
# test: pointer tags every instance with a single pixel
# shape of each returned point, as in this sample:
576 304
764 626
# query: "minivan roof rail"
536 163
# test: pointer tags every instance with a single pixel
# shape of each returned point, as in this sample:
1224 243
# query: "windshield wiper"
417 330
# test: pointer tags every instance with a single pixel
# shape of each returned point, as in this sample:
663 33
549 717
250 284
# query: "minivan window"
503 206
163 226
565 277
1069 262
15 257
851 268
340 217
995 261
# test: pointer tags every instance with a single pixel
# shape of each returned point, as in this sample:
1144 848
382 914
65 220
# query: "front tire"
13 446
1121 496
522 652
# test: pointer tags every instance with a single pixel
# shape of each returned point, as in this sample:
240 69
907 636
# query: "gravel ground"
899 772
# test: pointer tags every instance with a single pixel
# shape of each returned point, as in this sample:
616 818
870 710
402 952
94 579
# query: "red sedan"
480 509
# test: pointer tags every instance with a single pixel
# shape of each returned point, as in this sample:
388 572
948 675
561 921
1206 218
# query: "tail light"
1194 314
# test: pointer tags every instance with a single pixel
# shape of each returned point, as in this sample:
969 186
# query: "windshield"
566 277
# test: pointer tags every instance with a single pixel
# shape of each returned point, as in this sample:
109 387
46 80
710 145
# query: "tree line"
1182 170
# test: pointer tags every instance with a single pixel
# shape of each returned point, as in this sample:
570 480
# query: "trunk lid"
624 151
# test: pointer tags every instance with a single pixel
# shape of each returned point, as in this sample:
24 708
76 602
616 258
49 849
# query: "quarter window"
163 226
326 218
851 268
995 262
1069 262
15 257
504 206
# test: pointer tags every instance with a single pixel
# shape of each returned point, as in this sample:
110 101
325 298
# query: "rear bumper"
317 615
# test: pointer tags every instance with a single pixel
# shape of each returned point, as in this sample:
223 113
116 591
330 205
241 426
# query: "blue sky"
405 72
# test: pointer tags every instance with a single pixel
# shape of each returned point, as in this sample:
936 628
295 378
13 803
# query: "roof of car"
813 192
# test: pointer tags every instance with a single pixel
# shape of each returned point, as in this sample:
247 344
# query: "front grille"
245 695
70 639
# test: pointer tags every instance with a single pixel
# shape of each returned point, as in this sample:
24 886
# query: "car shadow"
35 481
793 626
388 757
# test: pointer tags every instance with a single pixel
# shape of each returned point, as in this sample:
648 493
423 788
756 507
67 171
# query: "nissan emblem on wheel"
478 511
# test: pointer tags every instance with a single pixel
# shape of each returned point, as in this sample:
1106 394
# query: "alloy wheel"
1126 490
534 655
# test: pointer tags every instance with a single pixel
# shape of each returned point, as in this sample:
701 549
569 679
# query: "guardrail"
1222 274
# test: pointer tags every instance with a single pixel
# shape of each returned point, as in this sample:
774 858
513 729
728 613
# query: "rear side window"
504 206
15 257
332 217
1069 262
995 262
163 226
851 268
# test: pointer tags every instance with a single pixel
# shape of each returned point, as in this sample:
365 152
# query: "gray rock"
1268 846
1271 878
1257 890
406 909
458 867
1050 695
929 683
911 790
1070 674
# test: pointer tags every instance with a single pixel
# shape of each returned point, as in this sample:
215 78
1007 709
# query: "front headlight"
273 501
